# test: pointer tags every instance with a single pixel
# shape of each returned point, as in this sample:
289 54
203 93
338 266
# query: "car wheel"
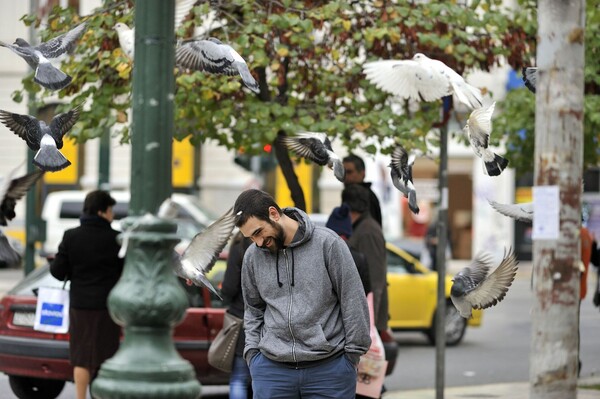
455 326
35 388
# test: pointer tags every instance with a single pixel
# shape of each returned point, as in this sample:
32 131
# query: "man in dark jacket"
88 256
306 318
354 173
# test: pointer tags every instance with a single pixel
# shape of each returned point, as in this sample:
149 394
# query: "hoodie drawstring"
277 268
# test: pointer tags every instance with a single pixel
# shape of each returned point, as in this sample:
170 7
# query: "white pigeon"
473 288
522 211
421 78
46 140
127 34
38 57
211 55
478 129
202 253
317 148
530 78
401 174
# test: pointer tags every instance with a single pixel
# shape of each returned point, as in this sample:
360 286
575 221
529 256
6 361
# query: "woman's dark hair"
97 201
254 203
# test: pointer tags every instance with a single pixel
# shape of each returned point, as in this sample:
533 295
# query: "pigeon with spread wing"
317 148
522 211
213 56
421 79
38 57
202 252
46 140
473 288
13 189
401 173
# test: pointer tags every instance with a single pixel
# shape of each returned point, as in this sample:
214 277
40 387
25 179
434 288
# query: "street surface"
496 352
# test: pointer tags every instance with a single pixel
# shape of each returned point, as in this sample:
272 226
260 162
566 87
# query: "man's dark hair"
254 203
97 201
358 162
357 197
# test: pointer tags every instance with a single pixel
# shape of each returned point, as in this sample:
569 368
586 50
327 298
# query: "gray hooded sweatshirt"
305 303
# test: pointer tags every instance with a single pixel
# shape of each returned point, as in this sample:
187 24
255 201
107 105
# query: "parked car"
412 292
62 209
37 363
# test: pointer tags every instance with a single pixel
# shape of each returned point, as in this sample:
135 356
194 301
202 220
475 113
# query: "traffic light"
263 163
244 160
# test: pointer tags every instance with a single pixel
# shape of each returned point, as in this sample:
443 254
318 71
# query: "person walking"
354 168
231 290
88 257
306 317
367 237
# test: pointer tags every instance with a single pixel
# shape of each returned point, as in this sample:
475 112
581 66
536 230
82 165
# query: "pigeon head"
21 42
119 27
419 57
458 287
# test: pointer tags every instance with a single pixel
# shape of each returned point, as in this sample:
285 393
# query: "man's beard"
278 238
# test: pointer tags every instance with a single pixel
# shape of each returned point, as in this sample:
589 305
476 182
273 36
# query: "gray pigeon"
401 174
478 129
522 211
46 140
200 256
530 78
8 255
38 57
213 56
317 148
13 189
473 288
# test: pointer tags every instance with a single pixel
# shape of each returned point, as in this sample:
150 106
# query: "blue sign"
52 314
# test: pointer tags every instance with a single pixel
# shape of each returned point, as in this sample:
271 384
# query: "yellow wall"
282 192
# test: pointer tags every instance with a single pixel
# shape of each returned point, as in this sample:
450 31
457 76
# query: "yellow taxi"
412 293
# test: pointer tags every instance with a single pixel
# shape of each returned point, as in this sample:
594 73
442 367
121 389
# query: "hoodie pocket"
313 339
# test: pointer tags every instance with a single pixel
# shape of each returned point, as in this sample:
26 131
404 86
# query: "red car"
37 363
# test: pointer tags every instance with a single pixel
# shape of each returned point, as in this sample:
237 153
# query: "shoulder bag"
222 349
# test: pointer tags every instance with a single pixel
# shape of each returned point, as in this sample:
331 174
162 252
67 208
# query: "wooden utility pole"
558 166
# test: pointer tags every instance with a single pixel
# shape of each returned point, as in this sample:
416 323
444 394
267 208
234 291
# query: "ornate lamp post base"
148 301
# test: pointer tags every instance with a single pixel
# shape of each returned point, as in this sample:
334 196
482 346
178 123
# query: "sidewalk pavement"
513 390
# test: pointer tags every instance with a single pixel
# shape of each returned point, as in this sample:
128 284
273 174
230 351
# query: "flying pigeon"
522 211
478 129
317 148
127 34
200 256
13 189
473 288
211 55
38 57
421 78
530 78
401 173
46 140
8 255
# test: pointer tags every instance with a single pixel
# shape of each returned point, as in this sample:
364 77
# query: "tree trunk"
558 162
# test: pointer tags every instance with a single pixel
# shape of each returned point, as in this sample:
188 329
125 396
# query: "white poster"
546 213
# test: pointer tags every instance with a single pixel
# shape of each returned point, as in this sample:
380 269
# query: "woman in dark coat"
88 257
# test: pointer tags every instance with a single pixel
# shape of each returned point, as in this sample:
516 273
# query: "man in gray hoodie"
306 318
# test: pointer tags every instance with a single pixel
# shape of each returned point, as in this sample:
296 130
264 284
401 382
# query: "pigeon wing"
62 123
25 126
18 187
480 126
206 246
477 271
493 289
182 9
309 145
530 78
400 162
205 55
64 43
522 211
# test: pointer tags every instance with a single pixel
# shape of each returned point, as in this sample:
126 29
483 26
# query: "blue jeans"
239 380
333 379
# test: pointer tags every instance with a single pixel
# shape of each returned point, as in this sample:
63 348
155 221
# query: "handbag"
52 310
222 350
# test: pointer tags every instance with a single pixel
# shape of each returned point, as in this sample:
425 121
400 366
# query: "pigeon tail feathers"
495 167
51 77
49 158
338 170
207 284
247 77
412 202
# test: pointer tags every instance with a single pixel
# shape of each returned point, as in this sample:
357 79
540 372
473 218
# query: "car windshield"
397 264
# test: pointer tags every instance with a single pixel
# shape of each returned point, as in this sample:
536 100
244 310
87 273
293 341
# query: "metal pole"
442 230
104 161
148 300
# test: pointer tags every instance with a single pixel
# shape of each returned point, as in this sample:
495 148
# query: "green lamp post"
148 301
